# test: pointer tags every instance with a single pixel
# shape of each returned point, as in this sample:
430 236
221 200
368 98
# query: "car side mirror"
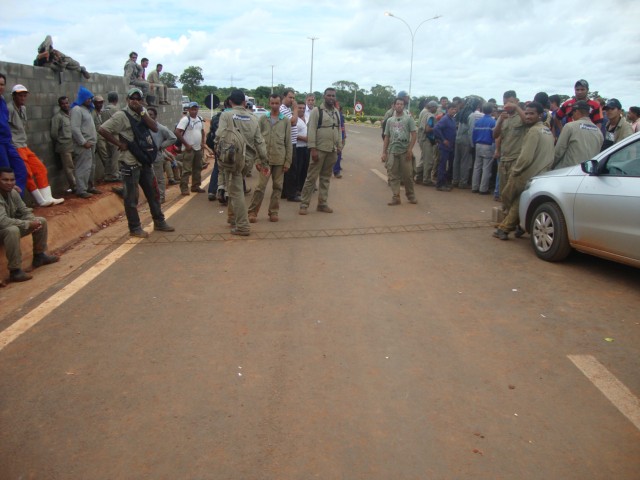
590 167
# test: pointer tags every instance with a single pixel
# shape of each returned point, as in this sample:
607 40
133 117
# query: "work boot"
242 233
139 233
412 201
197 190
324 208
394 201
273 217
163 227
253 217
40 259
151 101
19 275
501 234
519 232
303 211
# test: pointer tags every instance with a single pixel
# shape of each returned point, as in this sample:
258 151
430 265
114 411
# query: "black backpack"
142 147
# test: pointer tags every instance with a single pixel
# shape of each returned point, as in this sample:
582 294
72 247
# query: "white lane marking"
610 386
65 293
379 174
382 176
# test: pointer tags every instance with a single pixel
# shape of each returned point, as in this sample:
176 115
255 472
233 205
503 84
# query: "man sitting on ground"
16 221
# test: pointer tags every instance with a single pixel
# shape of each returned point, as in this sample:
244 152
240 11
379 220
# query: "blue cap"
194 104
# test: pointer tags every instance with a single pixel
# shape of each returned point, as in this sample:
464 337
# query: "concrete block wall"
44 89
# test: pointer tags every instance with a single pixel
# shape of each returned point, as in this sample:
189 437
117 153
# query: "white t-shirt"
302 131
192 131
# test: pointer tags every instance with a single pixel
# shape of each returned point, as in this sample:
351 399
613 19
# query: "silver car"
593 207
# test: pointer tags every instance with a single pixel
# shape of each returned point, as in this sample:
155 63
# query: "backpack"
142 147
230 148
213 127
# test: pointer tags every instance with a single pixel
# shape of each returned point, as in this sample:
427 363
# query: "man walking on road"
275 128
324 141
399 139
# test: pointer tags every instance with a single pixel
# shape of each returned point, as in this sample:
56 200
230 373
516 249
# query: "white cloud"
476 47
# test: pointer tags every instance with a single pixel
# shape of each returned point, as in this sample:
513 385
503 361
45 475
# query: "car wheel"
549 233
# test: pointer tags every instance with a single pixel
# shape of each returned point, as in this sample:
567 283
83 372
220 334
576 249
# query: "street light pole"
313 39
413 37
272 78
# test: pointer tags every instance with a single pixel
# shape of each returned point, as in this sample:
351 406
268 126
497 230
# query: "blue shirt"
483 130
445 129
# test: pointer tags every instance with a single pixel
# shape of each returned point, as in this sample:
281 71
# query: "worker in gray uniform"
579 140
248 126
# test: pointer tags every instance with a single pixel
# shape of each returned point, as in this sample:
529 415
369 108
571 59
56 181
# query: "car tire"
549 233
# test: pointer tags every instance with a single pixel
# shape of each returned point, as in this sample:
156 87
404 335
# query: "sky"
476 47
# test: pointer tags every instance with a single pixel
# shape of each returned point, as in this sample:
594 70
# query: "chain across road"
158 238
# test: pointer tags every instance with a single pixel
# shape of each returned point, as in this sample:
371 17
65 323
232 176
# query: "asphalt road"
372 343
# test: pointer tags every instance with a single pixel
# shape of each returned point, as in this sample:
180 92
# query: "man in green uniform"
324 143
61 136
56 60
579 140
118 131
535 157
155 85
16 221
275 128
248 126
399 139
133 75
508 133
428 148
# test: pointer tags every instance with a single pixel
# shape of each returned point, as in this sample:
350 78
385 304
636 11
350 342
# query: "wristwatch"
143 112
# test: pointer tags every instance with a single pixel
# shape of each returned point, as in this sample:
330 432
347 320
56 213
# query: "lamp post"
313 39
413 37
272 78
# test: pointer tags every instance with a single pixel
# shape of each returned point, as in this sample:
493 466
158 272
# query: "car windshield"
625 162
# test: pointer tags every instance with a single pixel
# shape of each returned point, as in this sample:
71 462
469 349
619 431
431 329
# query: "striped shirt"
286 111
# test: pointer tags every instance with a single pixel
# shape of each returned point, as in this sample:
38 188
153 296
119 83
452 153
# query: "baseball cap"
98 98
613 103
402 94
432 103
133 91
582 105
19 88
582 83
194 104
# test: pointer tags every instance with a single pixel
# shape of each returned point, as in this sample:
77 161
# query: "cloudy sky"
477 47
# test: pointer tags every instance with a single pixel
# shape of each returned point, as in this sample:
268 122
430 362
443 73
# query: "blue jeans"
132 176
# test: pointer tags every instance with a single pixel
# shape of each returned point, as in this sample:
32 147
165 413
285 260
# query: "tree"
190 79
169 79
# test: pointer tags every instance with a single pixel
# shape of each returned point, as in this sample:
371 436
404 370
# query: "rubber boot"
40 200
46 194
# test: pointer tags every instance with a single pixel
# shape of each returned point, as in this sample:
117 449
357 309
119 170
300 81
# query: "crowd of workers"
465 143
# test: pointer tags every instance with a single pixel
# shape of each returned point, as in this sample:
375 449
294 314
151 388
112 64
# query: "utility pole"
272 78
313 39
